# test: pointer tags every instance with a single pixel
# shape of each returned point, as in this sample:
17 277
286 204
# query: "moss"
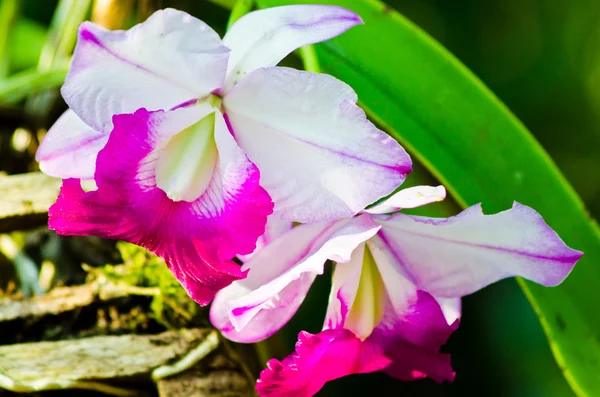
147 274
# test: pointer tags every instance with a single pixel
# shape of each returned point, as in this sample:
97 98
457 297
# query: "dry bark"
217 376
96 358
60 300
25 199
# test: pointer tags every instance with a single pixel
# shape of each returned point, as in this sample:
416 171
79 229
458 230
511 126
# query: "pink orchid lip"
319 358
196 239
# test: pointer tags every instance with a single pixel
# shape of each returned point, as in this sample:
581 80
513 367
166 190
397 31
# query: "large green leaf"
481 152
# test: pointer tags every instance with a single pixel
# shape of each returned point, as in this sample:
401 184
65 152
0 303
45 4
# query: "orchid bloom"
191 140
396 287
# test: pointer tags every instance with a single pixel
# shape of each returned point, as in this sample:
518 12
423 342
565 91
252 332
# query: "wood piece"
216 376
61 300
25 199
96 358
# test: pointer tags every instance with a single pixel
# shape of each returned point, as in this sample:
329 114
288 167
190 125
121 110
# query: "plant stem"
309 58
9 12
19 86
240 8
58 48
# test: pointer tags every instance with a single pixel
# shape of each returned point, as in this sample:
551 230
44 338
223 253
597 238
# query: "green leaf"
481 152
27 41
241 8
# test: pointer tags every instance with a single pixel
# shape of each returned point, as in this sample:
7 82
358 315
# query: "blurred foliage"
541 57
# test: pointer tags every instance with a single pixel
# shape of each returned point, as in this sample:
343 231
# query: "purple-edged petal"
453 257
263 38
280 275
276 227
70 148
196 239
411 197
319 157
318 359
169 59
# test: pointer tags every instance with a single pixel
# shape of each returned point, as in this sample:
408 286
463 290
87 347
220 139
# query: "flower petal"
453 257
358 295
276 227
70 148
197 238
318 359
451 307
159 64
281 117
263 38
280 276
412 340
411 197
413 327
187 163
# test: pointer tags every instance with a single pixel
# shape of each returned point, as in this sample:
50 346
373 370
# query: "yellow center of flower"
186 164
368 306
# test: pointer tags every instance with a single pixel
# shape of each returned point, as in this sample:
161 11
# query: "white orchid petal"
70 148
281 274
167 60
453 257
319 157
263 38
411 197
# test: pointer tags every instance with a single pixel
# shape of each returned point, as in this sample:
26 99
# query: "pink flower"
192 140
396 291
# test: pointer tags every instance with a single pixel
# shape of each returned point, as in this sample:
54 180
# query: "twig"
207 346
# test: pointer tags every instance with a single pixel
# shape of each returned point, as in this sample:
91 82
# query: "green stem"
240 8
58 47
9 12
63 32
309 59
228 4
19 86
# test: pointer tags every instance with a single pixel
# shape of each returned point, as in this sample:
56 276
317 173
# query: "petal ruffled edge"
456 256
318 359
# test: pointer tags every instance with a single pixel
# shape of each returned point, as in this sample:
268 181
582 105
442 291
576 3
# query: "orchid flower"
191 140
396 287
